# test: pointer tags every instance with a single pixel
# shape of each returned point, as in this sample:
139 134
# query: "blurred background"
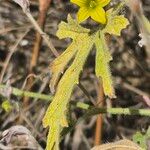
24 67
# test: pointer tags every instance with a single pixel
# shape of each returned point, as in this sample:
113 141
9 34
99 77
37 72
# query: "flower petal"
98 14
79 2
103 3
83 14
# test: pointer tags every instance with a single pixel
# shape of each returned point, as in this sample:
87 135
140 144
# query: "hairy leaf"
115 23
71 29
102 69
55 116
59 64
75 57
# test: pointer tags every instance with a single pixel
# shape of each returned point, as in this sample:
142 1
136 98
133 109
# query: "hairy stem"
90 110
18 92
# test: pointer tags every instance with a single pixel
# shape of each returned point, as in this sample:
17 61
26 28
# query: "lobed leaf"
75 56
71 29
115 23
55 116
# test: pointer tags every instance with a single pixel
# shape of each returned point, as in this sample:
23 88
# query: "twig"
44 35
19 27
23 116
99 121
9 29
43 8
135 90
10 55
82 88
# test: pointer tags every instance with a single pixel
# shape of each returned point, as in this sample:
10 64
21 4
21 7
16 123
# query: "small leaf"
71 29
140 139
115 23
7 106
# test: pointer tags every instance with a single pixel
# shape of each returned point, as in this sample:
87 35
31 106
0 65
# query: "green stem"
118 111
18 92
90 111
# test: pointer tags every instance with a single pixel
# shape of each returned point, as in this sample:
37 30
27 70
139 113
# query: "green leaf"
6 106
115 23
59 64
103 57
55 116
71 29
140 139
75 57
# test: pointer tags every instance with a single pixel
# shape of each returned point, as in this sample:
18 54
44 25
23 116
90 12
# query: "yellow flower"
91 8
